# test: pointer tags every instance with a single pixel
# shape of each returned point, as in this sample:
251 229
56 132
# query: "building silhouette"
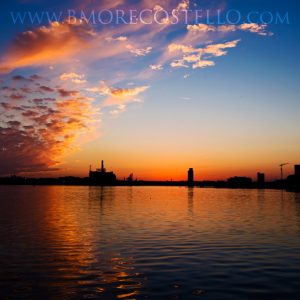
100 176
297 170
130 178
293 181
239 182
190 177
260 179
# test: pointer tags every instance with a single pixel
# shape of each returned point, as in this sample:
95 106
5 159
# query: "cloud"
14 123
119 92
202 27
120 109
124 95
203 64
183 48
260 29
74 77
191 58
37 134
178 64
118 96
156 67
214 49
218 49
40 101
183 5
66 93
36 77
26 90
139 51
255 28
44 88
16 96
119 38
199 56
44 45
19 78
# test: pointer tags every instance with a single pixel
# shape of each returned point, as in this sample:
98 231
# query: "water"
148 243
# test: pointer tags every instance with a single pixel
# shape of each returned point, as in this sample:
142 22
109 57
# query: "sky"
151 87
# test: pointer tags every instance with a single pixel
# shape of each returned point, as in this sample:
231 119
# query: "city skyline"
105 177
152 99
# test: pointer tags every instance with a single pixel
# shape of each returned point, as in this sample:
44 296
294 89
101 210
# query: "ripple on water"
148 243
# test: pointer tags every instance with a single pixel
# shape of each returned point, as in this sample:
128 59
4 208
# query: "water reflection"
66 240
190 200
148 242
119 277
297 208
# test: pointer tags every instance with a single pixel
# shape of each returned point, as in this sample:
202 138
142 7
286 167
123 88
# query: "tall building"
190 177
260 178
297 170
100 176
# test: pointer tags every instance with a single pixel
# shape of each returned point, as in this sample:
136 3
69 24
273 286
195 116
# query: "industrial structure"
281 170
100 176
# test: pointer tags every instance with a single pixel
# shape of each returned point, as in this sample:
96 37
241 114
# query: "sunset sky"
149 99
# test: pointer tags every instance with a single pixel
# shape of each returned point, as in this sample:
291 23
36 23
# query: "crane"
281 169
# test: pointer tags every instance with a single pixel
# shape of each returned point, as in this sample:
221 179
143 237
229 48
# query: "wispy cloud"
44 45
199 57
156 67
120 109
203 64
118 96
179 63
74 77
118 38
260 29
139 51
